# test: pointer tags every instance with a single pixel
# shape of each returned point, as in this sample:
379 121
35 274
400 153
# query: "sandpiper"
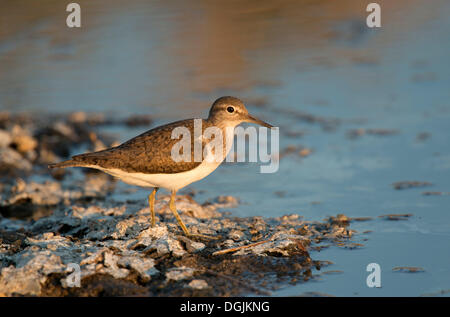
147 160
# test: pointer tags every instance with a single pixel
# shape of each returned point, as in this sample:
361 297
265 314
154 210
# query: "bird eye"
230 109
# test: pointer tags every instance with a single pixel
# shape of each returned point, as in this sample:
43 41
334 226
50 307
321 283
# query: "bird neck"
227 128
221 124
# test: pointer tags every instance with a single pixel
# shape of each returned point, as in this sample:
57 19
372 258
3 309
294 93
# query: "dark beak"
252 119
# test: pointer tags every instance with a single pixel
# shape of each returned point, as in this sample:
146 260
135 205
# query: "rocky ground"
50 230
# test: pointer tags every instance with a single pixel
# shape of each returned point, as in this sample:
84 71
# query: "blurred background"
358 108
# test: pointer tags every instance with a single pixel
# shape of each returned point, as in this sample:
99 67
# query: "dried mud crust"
119 254
224 275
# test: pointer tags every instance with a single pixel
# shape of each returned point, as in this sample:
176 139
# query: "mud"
356 133
410 184
119 254
436 193
408 269
396 216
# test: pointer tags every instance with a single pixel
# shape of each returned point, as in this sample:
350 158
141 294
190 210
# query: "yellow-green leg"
180 222
151 202
175 213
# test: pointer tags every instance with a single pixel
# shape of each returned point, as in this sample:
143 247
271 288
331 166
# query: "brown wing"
149 152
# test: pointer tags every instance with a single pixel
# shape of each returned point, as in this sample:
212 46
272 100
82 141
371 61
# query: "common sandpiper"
148 159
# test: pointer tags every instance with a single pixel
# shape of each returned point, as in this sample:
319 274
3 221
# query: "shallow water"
310 57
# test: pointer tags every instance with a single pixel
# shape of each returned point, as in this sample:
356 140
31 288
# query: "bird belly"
174 181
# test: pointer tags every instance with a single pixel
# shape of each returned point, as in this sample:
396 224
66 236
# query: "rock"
228 243
144 266
97 186
166 245
97 211
47 193
22 139
187 206
226 202
280 244
156 232
198 284
179 273
94 258
236 235
24 143
65 130
47 157
11 159
125 228
112 267
27 277
5 139
19 282
78 117
340 219
192 246
138 120
89 118
304 152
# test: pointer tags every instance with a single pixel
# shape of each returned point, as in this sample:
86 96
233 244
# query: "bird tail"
82 160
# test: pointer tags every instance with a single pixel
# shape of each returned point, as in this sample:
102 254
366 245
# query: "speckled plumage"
148 153
147 161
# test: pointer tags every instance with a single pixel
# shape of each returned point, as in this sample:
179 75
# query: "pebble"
179 273
198 284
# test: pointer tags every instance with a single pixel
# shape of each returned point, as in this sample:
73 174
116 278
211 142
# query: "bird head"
232 111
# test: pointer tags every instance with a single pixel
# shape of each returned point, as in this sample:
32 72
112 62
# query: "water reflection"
172 58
